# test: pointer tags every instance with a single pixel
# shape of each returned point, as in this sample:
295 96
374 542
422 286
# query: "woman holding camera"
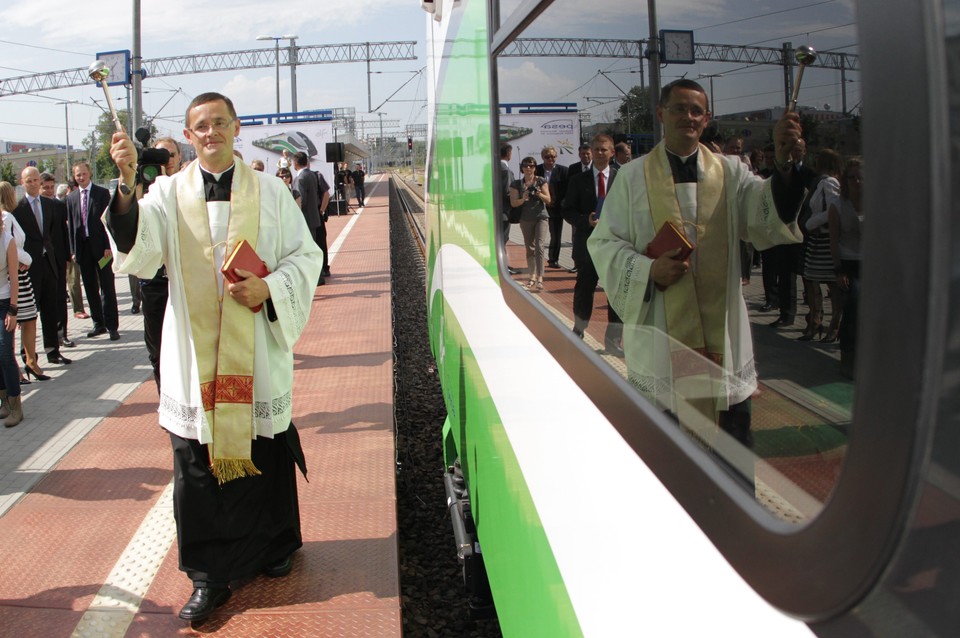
532 195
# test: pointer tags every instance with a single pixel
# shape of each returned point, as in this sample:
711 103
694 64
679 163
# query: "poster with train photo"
528 133
267 142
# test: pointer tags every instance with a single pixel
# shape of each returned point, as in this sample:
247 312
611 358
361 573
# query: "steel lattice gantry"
224 61
634 49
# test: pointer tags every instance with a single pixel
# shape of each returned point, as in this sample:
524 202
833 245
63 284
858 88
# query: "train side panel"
529 593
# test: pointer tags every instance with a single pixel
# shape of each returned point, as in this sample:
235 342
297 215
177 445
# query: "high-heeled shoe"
24 380
811 332
832 336
39 376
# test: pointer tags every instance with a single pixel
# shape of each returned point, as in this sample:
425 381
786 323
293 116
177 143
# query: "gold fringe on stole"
223 333
695 306
230 469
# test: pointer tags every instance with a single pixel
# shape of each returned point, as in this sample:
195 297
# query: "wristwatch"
126 190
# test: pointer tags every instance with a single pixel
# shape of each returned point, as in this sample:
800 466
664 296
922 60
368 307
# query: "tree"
48 165
635 112
98 144
811 129
8 174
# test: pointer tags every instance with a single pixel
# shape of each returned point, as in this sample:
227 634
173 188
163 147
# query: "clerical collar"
684 168
216 186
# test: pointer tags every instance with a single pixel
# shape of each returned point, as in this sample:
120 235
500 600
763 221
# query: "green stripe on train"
529 591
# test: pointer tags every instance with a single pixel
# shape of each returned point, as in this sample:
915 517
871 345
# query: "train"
579 507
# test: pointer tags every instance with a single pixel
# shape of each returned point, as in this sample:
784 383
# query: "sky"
45 37
52 36
596 84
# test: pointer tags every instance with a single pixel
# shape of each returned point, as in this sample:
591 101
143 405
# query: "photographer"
154 292
532 194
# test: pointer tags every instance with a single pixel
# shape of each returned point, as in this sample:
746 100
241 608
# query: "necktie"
38 214
601 193
83 210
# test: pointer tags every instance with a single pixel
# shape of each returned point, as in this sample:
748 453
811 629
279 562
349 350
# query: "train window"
748 344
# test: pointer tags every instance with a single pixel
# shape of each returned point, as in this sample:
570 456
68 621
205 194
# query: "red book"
246 258
668 238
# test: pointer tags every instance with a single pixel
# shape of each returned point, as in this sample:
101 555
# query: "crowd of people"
61 254
830 221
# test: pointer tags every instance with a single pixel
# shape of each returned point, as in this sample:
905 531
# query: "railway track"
411 203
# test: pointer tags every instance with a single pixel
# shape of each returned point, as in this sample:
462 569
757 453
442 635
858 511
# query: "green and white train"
596 514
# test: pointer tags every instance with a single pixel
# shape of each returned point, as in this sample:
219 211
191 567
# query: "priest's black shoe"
96 332
56 357
613 349
114 335
67 343
279 568
203 602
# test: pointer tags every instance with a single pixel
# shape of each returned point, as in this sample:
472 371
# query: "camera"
150 161
532 190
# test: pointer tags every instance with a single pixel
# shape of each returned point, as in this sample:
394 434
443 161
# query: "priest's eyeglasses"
218 124
691 110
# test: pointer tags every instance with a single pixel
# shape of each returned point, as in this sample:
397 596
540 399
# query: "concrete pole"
654 69
136 77
277 41
293 74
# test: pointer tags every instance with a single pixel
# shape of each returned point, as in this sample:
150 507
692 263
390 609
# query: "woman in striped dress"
26 306
817 260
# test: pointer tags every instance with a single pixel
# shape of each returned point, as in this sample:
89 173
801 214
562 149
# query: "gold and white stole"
223 329
695 306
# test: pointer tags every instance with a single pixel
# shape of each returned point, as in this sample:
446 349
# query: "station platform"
85 480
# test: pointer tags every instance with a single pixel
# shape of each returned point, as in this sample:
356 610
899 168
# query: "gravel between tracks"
434 603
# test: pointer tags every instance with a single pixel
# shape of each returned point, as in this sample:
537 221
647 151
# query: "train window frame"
849 542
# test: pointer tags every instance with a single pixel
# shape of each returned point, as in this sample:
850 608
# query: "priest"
226 370
686 330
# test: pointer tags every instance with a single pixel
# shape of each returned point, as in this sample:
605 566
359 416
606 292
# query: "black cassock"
232 531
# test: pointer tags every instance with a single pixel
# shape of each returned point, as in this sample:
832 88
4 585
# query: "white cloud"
528 82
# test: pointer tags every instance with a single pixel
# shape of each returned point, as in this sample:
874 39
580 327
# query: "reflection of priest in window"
686 329
226 371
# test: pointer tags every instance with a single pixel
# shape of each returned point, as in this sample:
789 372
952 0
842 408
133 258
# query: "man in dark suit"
556 178
92 251
308 185
586 161
506 179
786 258
582 207
45 241
48 189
